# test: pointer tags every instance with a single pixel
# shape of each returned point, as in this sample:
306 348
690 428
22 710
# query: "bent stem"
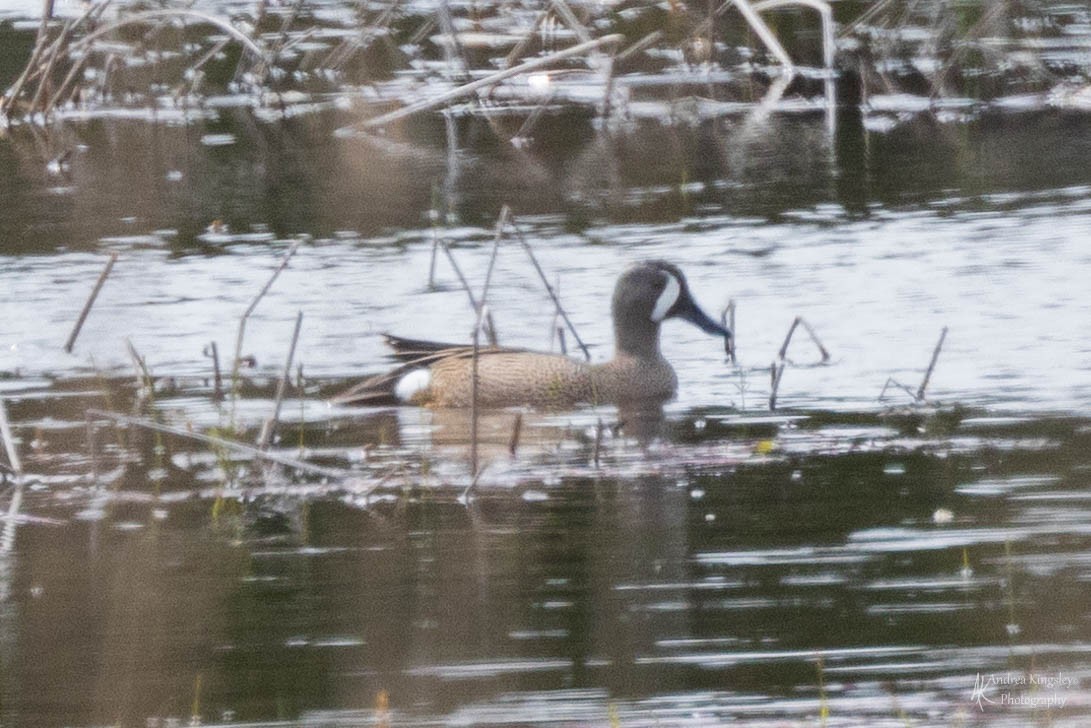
242 328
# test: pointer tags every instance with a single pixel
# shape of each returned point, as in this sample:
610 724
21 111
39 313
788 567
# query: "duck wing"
380 390
411 350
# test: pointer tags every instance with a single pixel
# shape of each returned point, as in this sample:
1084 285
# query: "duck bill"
689 311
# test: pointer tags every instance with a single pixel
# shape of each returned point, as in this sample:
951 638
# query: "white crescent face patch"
667 298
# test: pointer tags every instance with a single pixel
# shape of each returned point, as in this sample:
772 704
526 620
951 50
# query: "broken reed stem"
892 382
555 329
270 424
90 302
788 339
814 338
516 430
490 80
434 215
776 371
218 442
532 118
140 367
501 222
213 353
344 51
474 391
223 24
598 443
645 42
571 20
453 48
9 442
521 46
799 320
235 364
608 88
549 289
931 365
458 272
727 320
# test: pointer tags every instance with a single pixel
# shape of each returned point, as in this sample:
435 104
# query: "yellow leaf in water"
764 447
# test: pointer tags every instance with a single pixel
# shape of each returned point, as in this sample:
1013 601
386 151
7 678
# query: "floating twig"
931 365
90 302
491 80
645 42
219 442
269 426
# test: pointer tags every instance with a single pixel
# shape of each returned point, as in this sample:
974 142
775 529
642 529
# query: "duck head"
649 293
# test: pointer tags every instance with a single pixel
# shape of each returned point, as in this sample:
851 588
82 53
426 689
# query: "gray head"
647 294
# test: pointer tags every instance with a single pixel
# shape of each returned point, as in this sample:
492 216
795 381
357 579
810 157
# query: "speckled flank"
441 375
548 381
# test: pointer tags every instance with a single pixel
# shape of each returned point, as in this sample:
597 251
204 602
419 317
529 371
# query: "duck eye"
667 297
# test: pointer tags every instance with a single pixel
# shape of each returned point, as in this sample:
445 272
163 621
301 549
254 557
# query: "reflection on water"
851 568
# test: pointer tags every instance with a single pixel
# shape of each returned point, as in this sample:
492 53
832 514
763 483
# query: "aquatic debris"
237 361
7 536
10 448
931 364
238 447
48 55
727 320
212 352
270 424
918 395
90 302
799 320
492 79
777 367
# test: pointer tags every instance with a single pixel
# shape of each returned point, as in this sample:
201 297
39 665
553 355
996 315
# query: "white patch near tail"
412 384
667 298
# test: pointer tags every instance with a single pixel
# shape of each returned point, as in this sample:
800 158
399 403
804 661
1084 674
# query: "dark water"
839 561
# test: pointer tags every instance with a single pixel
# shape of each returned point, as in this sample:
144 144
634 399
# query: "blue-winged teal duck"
440 375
